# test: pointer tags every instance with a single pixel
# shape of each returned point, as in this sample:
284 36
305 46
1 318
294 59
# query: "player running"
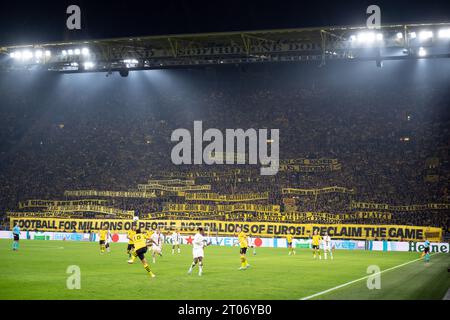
16 237
315 244
198 244
140 248
130 235
291 249
157 240
243 244
327 246
176 239
102 234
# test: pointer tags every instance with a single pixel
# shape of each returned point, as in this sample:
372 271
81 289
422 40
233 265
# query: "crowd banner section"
414 207
240 207
151 187
172 182
260 229
43 214
310 165
56 203
336 217
96 209
110 194
215 197
307 192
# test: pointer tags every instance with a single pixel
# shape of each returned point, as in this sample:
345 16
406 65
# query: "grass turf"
38 271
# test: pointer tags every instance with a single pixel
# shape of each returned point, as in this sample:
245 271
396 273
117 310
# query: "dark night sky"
39 21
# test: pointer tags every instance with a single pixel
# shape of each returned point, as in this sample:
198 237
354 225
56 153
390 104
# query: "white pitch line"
363 278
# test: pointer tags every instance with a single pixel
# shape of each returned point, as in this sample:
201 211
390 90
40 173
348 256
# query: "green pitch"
38 271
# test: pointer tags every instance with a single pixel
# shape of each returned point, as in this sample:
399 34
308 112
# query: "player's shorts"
315 247
102 242
426 250
289 244
16 237
198 253
130 247
243 251
176 243
156 249
140 252
327 248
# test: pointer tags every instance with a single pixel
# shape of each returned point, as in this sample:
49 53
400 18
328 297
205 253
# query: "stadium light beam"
85 51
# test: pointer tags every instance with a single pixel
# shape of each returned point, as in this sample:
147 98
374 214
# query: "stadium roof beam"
175 51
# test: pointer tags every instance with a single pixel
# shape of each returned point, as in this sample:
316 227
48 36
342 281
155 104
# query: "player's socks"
179 251
294 252
173 251
133 257
325 255
242 262
150 273
200 269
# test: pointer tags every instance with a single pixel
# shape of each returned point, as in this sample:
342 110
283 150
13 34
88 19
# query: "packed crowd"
92 133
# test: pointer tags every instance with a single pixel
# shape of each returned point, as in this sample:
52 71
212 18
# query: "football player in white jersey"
327 246
251 243
176 239
198 244
157 241
108 239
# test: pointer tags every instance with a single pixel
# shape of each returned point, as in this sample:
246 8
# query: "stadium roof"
389 42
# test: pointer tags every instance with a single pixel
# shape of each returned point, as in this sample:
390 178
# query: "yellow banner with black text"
261 229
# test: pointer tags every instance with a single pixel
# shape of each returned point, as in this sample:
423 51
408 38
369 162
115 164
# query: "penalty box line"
360 279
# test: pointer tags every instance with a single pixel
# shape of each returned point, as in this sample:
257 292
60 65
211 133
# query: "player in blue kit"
16 236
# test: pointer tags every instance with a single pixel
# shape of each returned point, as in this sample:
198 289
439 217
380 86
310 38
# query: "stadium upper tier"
380 135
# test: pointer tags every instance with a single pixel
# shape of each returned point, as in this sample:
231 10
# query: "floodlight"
422 52
444 33
425 35
88 65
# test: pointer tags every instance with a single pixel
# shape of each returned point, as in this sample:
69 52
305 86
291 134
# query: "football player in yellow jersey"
148 234
243 244
140 248
130 235
102 234
289 239
316 238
